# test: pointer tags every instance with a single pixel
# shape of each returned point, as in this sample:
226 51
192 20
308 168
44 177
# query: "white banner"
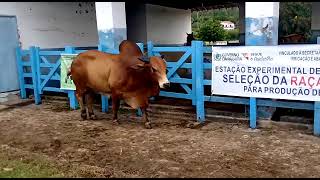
281 72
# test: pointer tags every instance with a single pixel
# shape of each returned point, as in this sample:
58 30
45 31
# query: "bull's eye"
154 69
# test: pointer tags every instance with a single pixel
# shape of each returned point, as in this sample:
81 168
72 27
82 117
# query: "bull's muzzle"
166 85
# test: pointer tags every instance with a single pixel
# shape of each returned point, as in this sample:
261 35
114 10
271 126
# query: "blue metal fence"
39 60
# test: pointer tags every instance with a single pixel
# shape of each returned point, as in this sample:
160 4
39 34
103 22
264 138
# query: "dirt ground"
101 149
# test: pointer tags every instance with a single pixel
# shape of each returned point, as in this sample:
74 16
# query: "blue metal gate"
193 87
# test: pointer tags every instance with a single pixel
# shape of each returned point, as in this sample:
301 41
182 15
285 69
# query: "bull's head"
158 66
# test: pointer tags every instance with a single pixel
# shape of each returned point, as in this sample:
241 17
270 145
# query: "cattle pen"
48 133
41 67
242 102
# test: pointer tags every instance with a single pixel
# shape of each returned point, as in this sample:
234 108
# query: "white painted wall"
167 25
111 23
53 24
104 15
119 14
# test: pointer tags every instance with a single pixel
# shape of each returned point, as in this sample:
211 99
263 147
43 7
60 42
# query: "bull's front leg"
147 123
115 108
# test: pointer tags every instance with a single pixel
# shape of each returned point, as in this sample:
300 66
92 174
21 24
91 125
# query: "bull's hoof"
93 117
115 122
194 125
147 125
83 117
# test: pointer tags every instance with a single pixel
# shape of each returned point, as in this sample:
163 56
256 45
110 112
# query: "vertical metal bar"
33 54
193 72
150 48
199 81
37 49
253 112
316 122
316 118
71 94
104 103
23 93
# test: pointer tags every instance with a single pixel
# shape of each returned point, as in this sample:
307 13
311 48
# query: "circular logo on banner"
217 57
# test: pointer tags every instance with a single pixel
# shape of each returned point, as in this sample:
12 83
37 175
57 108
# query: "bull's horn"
144 59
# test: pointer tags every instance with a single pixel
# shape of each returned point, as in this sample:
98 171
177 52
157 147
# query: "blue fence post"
149 48
37 58
71 94
199 81
23 93
253 112
33 59
104 99
193 72
316 118
316 122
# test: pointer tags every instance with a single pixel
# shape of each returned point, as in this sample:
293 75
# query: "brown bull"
122 76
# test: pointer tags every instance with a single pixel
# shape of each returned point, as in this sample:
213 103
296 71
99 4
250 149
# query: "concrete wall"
54 24
136 22
167 25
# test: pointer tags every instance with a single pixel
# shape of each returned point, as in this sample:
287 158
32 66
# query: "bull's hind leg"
90 99
147 123
115 108
80 96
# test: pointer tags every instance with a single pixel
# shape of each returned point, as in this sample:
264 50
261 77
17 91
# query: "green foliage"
295 17
211 30
232 34
207 27
230 14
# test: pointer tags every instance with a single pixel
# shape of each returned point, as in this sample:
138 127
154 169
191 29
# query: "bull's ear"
137 66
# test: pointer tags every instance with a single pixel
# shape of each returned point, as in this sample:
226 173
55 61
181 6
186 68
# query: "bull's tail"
69 73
